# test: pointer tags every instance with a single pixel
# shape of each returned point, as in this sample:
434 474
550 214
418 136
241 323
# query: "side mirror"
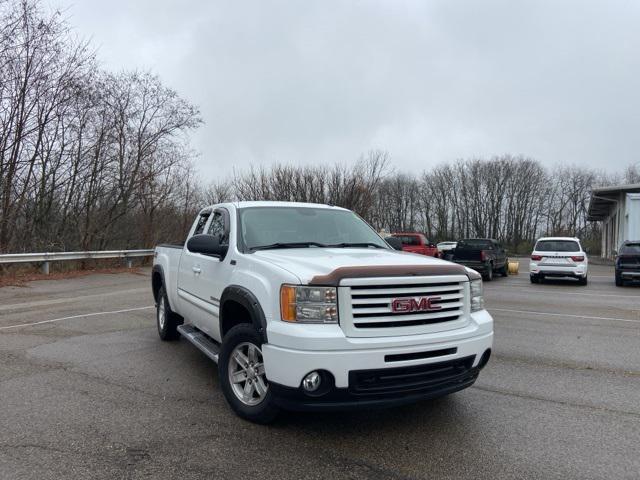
207 245
395 242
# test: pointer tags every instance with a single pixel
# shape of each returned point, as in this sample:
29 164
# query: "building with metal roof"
618 208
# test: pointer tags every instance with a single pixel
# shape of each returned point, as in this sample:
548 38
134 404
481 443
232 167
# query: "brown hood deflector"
338 274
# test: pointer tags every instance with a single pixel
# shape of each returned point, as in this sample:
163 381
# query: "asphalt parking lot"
87 390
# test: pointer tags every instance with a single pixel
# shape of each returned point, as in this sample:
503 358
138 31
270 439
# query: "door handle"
196 270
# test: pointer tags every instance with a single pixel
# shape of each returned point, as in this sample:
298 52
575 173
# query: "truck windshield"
557 246
630 249
283 227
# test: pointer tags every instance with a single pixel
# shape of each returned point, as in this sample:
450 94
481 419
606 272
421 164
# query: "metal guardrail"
46 258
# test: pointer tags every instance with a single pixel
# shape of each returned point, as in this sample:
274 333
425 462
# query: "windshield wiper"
289 245
356 244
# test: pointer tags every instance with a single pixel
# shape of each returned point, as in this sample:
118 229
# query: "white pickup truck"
306 307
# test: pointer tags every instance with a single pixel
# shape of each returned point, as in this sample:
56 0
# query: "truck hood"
307 263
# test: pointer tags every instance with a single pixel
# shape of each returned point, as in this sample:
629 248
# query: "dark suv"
628 262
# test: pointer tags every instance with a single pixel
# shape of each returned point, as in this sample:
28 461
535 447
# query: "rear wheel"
242 375
166 320
488 274
582 280
505 269
534 278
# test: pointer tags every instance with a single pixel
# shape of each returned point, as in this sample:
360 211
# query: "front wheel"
242 375
619 281
166 320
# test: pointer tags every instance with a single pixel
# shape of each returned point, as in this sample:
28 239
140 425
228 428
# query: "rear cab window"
475 244
202 221
408 239
557 246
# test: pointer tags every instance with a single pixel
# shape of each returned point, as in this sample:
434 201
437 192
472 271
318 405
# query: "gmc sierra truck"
306 307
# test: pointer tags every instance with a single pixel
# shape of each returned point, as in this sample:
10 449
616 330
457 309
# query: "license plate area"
556 261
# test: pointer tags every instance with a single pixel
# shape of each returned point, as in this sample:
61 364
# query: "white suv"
558 257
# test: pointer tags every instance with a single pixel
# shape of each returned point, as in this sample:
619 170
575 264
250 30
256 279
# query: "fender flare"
157 269
249 301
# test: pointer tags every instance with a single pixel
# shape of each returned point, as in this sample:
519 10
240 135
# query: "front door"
213 276
190 273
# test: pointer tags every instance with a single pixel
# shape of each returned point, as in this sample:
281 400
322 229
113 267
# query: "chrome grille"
369 305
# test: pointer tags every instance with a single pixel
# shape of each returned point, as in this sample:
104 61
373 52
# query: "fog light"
311 382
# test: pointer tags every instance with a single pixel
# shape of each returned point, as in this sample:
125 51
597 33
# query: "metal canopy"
603 199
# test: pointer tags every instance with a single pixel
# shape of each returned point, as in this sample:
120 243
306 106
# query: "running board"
207 346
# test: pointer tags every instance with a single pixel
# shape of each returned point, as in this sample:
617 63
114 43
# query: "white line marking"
584 317
56 301
540 290
76 316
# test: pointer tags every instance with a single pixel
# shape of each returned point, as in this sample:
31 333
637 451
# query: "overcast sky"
429 81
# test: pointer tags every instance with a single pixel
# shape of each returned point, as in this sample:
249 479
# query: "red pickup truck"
416 243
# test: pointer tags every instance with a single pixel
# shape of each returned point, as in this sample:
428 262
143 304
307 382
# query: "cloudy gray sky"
429 81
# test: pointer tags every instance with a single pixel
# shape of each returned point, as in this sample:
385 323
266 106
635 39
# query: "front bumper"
633 274
285 368
386 387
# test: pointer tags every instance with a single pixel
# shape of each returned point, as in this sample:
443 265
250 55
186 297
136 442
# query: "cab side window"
202 221
217 228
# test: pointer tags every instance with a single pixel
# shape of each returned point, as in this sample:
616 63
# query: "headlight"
477 300
308 304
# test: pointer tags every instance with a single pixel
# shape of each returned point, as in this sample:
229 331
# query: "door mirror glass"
207 245
395 243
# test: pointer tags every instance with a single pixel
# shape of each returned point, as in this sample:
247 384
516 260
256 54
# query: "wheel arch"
234 297
157 281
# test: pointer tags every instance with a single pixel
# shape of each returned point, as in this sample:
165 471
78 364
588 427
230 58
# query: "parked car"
484 255
306 307
558 257
445 249
628 262
416 243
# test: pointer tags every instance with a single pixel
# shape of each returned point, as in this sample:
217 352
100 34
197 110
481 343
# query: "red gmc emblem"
420 304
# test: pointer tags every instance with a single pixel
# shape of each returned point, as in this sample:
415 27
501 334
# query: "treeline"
90 160
87 157
510 198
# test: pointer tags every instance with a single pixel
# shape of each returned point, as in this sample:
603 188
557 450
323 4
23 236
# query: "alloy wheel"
246 374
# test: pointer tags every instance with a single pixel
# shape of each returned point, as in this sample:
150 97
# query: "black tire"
583 280
619 281
167 329
534 278
488 274
505 269
263 412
